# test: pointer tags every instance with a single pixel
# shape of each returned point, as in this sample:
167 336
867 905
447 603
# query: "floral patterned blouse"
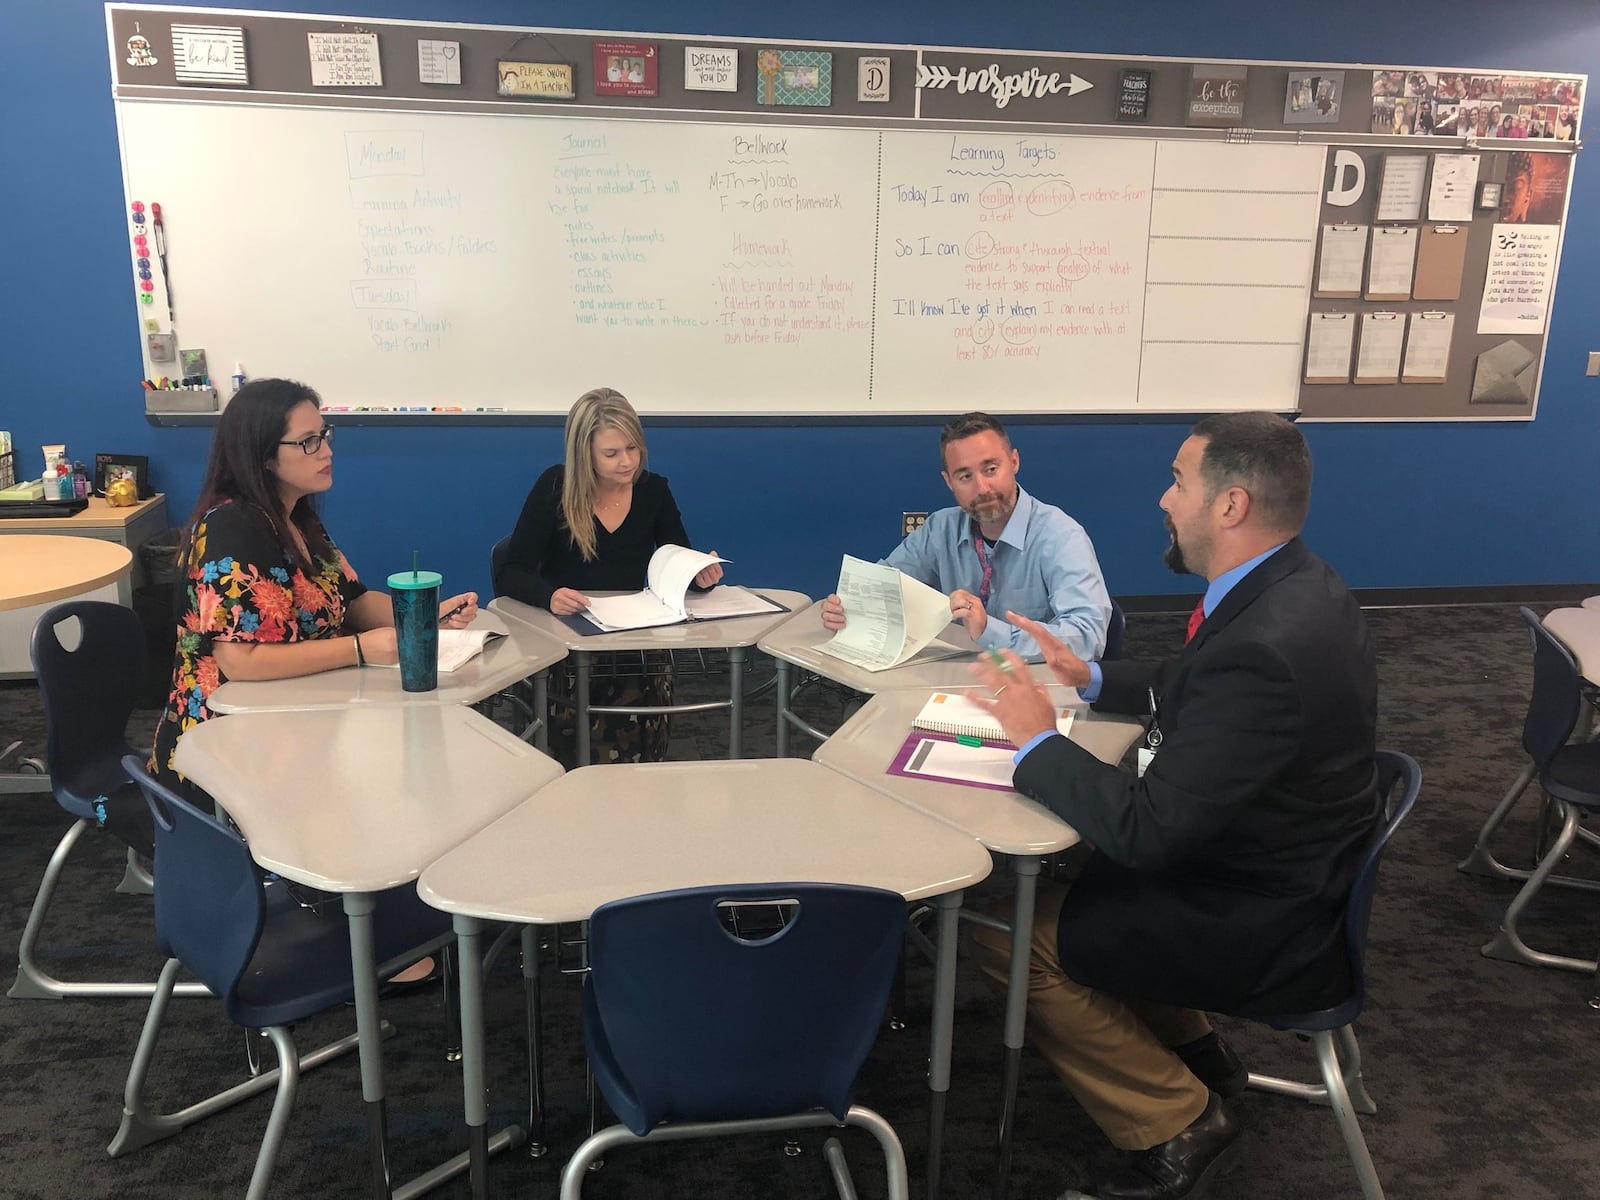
240 586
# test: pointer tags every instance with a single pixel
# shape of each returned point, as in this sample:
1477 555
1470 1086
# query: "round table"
37 569
43 568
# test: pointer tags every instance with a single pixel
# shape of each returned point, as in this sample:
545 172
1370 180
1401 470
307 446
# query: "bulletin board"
424 218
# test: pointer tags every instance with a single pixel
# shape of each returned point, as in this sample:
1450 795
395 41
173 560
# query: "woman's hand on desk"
1066 666
833 614
566 601
458 611
709 577
379 647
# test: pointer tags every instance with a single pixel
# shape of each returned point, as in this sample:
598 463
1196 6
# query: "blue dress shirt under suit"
1044 568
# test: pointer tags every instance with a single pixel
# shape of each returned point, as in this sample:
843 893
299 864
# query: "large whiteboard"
417 259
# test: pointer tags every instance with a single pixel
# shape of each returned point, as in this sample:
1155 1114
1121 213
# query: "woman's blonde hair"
595 411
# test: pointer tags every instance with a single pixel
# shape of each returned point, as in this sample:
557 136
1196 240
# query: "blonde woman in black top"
591 524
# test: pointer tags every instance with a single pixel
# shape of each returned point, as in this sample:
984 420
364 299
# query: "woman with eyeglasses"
591 524
266 592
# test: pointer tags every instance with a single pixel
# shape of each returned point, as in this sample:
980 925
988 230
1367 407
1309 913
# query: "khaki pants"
1111 1053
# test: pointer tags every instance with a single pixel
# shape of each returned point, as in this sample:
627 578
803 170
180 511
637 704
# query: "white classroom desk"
603 833
940 665
1005 822
524 651
734 634
395 788
1579 631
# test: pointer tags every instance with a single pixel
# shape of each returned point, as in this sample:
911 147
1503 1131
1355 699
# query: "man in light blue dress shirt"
1000 550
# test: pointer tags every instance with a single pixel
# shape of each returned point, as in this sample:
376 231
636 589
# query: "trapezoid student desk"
396 788
793 643
1006 823
734 634
41 569
522 652
603 833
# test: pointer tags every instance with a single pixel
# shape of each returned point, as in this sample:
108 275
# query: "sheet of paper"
438 62
1453 188
727 600
988 765
1394 253
1516 288
672 569
1428 347
1344 254
1378 360
1400 194
888 616
1328 347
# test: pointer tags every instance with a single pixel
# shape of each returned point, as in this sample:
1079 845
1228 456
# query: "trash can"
155 602
159 558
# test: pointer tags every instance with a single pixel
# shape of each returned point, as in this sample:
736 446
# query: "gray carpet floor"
1484 1072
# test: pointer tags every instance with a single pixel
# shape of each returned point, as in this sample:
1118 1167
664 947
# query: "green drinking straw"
413 566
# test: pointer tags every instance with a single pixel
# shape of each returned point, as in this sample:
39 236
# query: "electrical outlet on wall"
910 522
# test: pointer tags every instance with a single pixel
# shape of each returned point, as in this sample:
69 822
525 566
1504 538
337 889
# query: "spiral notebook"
955 714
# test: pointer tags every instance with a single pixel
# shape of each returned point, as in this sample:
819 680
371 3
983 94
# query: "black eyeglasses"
312 442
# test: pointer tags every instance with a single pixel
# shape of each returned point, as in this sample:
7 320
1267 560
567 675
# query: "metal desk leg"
736 661
533 1014
581 660
944 1006
541 709
1026 868
358 907
783 708
474 1090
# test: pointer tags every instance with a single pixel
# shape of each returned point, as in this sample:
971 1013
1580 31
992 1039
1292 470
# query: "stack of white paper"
888 616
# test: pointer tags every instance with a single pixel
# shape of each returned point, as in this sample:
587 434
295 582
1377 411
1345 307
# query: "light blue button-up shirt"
1044 568
1215 591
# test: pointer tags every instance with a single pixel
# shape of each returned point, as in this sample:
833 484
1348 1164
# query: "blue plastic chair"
1399 781
271 959
88 692
692 1030
1569 775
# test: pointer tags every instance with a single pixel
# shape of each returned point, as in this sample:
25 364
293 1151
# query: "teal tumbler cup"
416 627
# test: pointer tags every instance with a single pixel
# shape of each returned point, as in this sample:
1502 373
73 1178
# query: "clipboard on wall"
1428 347
1339 262
1328 345
1390 262
1441 256
1383 334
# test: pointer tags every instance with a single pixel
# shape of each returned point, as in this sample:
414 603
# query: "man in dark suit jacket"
1219 875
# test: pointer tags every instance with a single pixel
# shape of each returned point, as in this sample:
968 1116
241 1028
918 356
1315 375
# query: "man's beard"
1172 556
999 508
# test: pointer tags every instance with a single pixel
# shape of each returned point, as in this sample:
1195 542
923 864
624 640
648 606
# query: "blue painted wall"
1395 505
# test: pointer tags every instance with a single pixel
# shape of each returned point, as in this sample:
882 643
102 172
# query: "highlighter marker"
966 739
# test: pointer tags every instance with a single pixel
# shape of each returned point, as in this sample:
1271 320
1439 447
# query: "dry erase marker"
999 660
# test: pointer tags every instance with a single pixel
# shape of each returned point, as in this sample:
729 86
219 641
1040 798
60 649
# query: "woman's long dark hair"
245 441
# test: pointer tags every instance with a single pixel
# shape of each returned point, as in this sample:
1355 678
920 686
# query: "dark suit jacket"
1219 879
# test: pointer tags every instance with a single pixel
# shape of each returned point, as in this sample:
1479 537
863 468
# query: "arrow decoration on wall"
1002 87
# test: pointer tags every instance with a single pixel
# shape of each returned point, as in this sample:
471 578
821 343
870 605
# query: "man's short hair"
1265 455
969 425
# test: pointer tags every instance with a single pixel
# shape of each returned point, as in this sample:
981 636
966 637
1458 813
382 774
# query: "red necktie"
1195 618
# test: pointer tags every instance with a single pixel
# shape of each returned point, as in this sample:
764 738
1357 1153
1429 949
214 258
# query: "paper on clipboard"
1378 359
1390 264
1428 347
1453 187
1328 347
1339 264
1441 255
1400 189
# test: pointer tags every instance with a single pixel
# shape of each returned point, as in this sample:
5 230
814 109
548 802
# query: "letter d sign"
1349 178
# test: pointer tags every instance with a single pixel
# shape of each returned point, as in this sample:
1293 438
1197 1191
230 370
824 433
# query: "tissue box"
33 489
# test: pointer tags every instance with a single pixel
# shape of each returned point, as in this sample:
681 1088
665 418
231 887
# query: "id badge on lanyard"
1147 752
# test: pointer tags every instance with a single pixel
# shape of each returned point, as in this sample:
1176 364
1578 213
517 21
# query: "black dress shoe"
1181 1168
1213 1062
